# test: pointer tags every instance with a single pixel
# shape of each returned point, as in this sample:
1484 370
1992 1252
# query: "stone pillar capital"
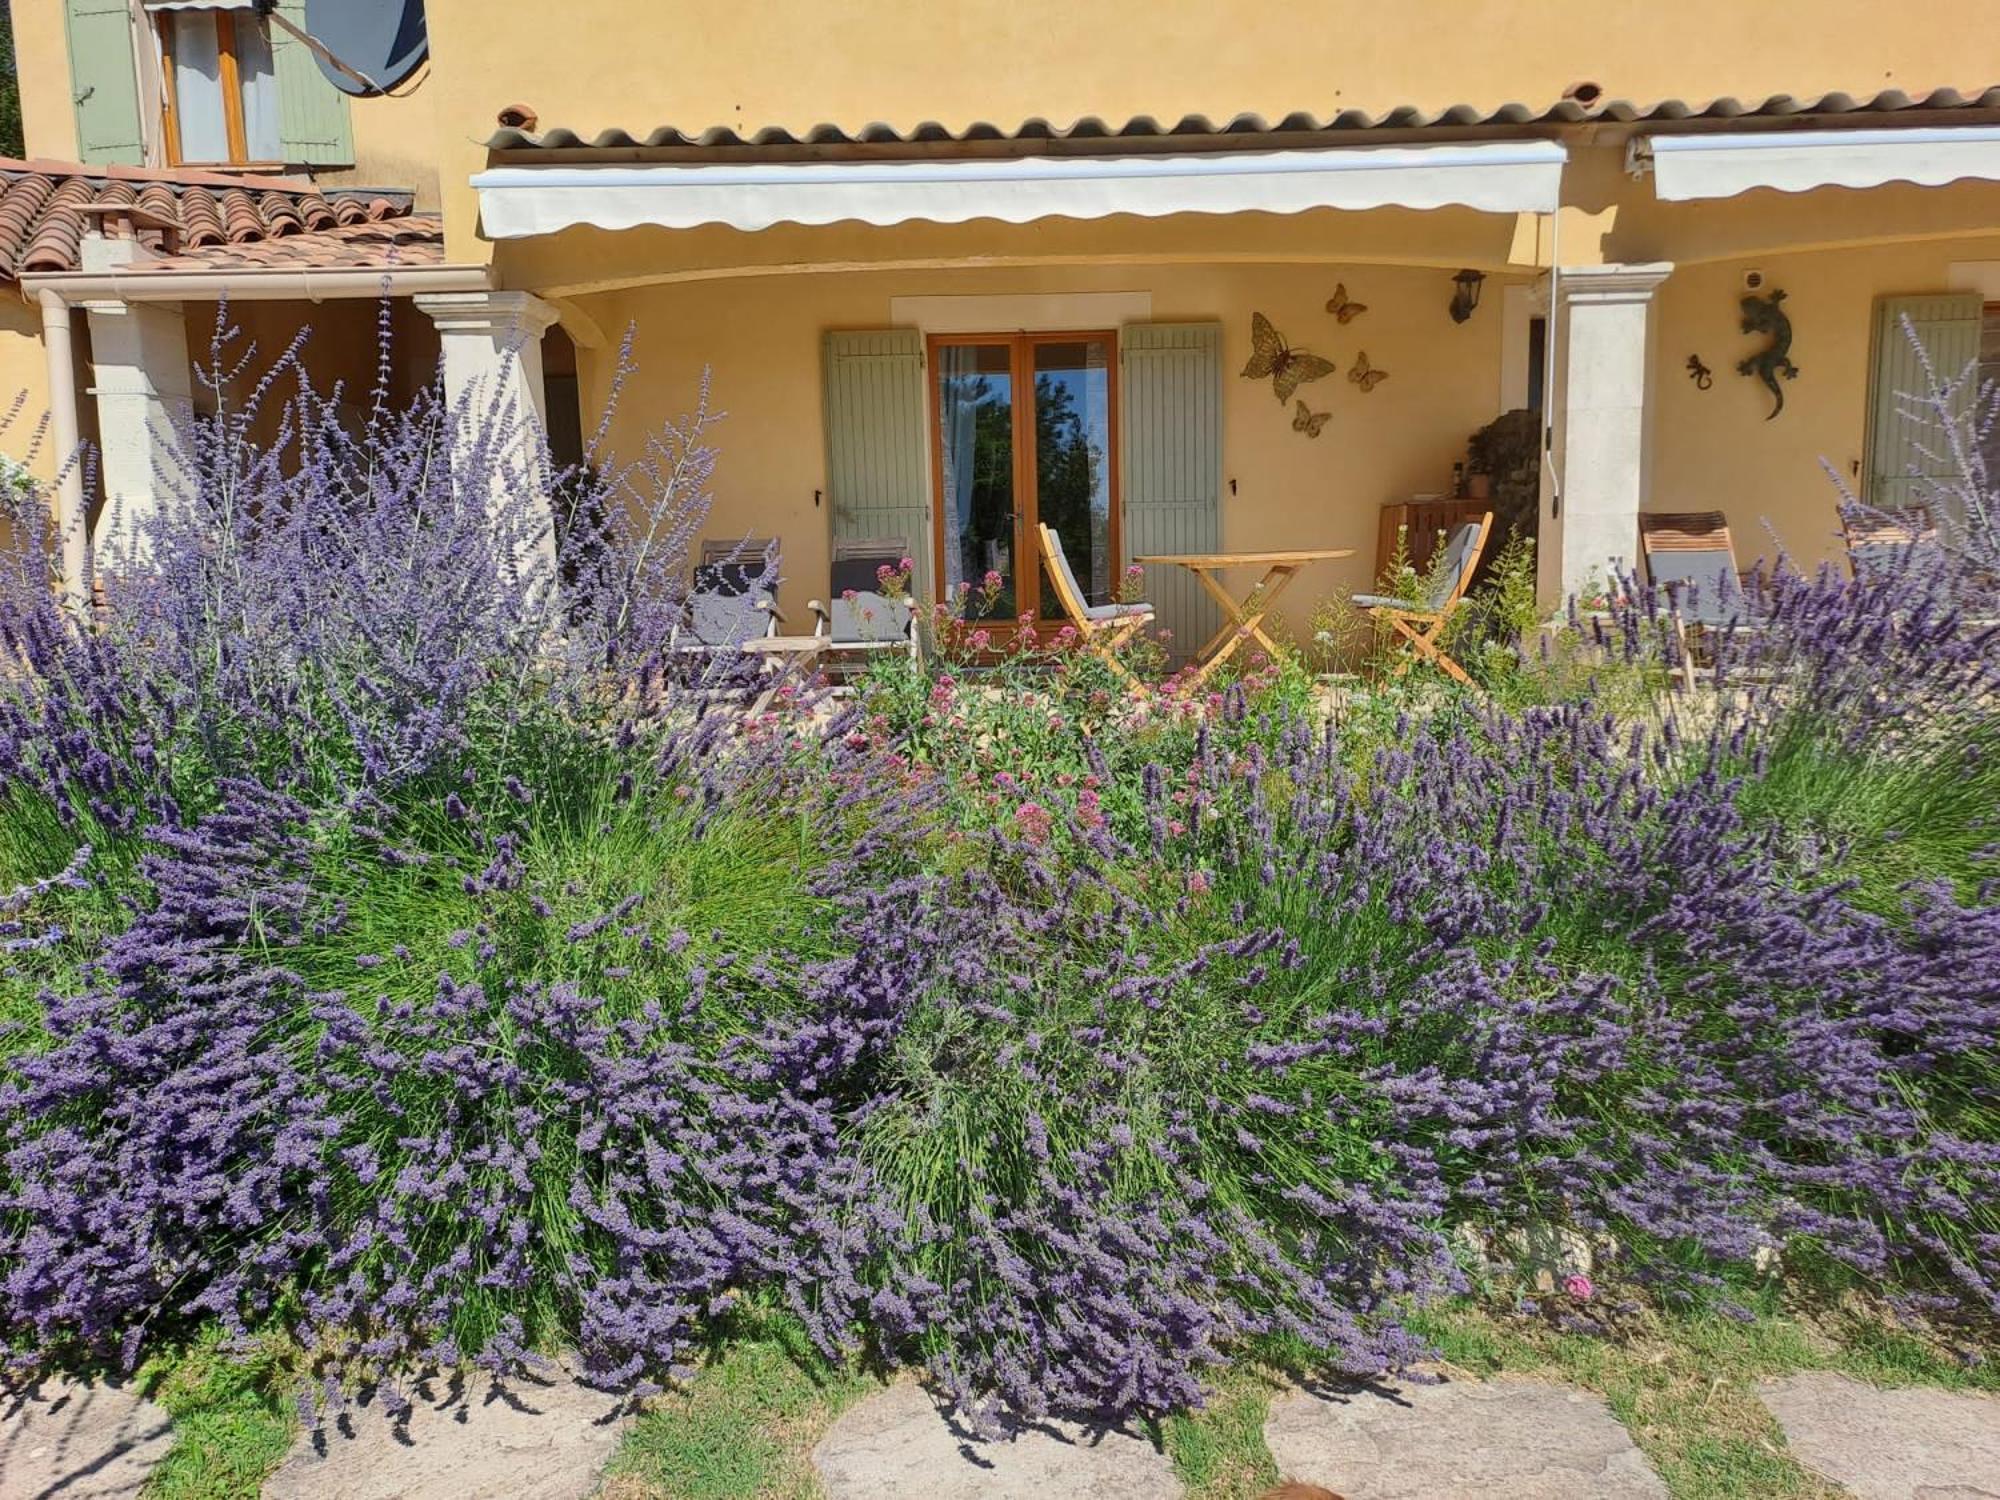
487 314
1612 283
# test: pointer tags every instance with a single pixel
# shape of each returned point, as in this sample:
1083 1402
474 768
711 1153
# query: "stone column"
143 384
492 355
1590 528
59 346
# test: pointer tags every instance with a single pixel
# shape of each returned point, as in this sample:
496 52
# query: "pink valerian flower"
1089 810
1035 822
1579 1286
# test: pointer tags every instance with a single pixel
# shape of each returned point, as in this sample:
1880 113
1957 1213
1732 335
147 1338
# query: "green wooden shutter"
1172 464
104 82
312 114
1908 453
877 459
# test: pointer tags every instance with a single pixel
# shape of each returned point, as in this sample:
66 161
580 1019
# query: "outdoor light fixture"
1465 294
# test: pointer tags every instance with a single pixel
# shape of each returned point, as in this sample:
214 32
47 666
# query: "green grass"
745 1427
231 1423
1219 1452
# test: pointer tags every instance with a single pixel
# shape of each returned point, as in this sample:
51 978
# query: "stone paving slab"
1911 1444
543 1439
1505 1439
70 1440
896 1443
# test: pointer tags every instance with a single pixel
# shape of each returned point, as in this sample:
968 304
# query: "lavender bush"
403 955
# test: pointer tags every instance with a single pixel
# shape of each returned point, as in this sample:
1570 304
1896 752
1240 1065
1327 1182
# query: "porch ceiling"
584 261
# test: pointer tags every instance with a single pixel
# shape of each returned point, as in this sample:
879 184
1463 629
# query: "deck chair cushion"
1059 558
1445 578
1702 584
870 615
726 620
1691 557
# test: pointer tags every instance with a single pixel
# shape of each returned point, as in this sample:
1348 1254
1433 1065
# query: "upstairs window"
220 85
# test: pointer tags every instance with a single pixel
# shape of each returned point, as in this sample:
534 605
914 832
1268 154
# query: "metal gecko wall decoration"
1766 315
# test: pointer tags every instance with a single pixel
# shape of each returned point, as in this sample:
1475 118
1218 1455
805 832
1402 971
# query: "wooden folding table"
1244 620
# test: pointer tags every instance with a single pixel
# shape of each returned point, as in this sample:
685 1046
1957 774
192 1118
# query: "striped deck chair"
1880 542
1690 558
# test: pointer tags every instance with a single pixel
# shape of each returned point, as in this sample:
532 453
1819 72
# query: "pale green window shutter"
312 114
104 82
877 459
1908 454
1172 464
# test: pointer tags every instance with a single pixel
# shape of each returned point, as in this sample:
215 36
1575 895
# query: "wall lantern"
1465 294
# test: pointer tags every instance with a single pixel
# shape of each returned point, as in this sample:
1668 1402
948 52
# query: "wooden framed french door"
1024 431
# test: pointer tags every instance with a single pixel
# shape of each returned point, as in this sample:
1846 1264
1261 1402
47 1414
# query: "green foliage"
1926 807
12 140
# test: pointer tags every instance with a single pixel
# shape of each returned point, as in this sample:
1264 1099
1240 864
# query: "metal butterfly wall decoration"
1308 421
1342 306
1365 377
1288 368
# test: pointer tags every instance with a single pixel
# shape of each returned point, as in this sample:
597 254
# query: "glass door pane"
197 79
1073 457
976 482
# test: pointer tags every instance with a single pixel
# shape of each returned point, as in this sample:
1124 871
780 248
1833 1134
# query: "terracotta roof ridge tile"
1090 127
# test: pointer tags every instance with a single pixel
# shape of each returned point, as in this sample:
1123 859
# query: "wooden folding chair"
1102 628
1422 624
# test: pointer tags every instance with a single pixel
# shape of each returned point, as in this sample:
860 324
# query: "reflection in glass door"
1001 465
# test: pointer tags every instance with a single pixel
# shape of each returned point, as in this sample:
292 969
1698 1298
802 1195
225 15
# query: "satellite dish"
382 40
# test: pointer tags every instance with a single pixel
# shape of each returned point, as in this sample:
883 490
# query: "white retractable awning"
1507 177
1721 166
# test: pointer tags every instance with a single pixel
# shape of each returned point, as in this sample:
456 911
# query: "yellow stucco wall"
762 341
24 375
395 142
796 63
41 63
1715 450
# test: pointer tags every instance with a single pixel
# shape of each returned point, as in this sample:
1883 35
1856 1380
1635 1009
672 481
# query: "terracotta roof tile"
43 218
281 214
58 229
406 240
20 209
201 218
